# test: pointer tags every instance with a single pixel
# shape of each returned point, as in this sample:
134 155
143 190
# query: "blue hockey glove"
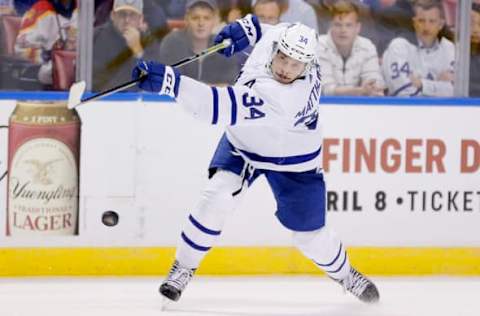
159 78
243 32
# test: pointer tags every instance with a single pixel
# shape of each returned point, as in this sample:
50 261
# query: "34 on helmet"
299 42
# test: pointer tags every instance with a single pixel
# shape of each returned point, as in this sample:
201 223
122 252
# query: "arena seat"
63 63
10 26
450 9
175 24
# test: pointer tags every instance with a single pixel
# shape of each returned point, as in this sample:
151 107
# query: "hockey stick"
78 88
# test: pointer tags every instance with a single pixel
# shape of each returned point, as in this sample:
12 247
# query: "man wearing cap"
197 36
118 44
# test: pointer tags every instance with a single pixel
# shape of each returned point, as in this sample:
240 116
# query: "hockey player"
273 129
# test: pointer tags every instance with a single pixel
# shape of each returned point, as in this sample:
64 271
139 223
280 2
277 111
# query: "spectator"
299 11
48 25
475 51
349 62
268 11
197 36
6 7
154 15
119 43
421 65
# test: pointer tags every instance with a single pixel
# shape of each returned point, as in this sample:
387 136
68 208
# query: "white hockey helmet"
299 42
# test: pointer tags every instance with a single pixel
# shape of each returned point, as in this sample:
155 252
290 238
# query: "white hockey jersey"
403 58
272 125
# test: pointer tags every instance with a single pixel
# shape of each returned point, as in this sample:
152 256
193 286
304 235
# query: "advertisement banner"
396 176
404 176
43 161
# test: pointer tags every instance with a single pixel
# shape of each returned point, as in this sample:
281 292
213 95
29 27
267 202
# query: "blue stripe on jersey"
334 260
215 106
194 245
340 267
203 228
233 100
416 92
282 161
405 86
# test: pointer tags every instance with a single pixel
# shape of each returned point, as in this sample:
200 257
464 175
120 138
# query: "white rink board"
148 161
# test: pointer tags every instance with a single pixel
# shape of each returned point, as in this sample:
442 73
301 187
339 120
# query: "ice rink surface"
237 296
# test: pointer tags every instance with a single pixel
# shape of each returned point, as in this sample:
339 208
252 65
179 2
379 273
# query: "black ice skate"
176 281
357 284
